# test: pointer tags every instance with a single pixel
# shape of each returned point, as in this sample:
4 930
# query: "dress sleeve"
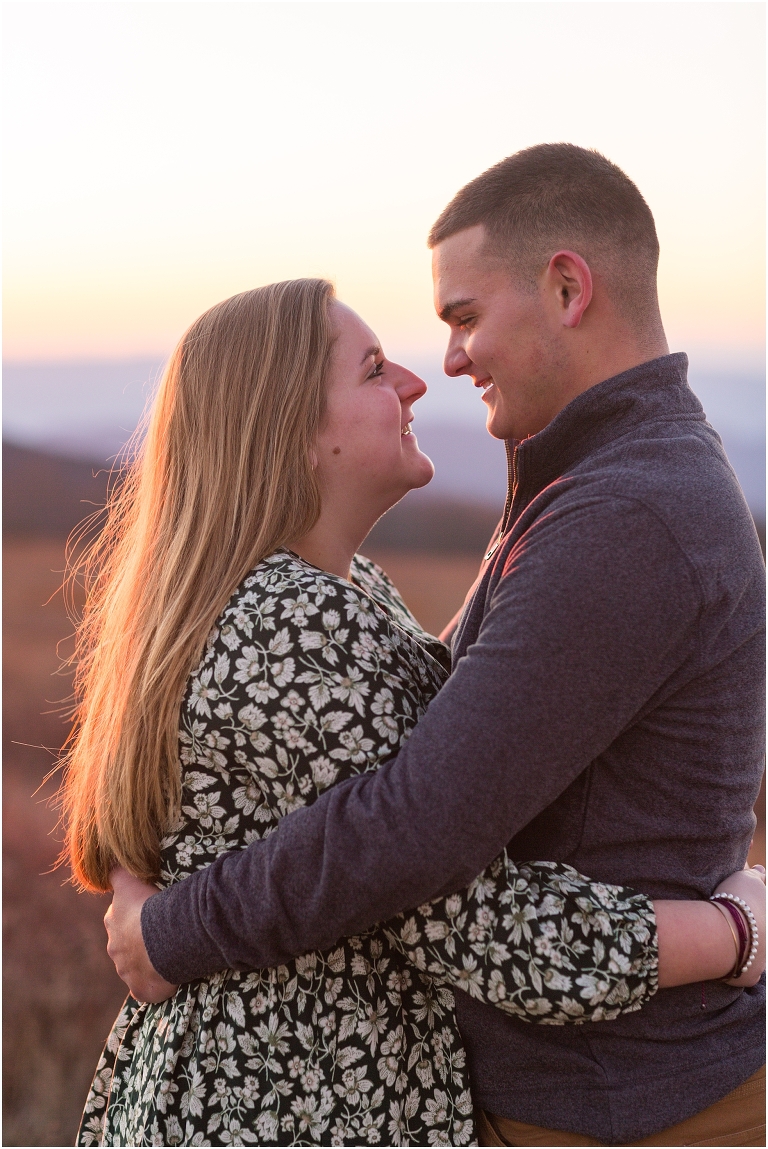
539 941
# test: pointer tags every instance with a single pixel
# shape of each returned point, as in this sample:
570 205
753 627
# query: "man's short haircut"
554 196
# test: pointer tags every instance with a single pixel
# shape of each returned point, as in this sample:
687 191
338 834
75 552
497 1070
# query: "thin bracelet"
736 941
751 925
741 929
746 909
747 929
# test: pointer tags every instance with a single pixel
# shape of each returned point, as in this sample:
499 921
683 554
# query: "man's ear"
571 282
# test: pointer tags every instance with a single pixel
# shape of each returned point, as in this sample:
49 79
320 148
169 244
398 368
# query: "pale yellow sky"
161 156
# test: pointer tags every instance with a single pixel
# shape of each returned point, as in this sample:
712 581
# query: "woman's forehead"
352 331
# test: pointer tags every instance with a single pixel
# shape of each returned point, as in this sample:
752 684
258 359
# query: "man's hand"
126 944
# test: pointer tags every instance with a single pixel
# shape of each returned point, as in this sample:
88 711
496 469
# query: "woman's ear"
314 461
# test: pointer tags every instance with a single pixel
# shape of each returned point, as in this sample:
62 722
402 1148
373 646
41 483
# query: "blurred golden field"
61 993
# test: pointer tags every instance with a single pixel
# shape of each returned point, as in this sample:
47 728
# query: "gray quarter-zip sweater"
605 709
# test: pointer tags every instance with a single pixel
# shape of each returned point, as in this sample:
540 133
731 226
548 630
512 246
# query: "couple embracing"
375 887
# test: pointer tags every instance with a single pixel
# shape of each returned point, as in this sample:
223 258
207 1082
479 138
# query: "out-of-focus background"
162 156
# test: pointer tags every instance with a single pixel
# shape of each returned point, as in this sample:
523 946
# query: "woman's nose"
408 386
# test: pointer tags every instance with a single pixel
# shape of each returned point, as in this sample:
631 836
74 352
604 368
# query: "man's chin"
495 425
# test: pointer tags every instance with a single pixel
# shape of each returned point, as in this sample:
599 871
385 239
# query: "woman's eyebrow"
372 351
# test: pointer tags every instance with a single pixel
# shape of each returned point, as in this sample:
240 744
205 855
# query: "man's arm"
589 620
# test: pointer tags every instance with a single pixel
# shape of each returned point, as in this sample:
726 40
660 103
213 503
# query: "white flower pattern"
306 680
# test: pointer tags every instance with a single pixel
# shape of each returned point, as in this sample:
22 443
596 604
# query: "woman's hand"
126 943
749 885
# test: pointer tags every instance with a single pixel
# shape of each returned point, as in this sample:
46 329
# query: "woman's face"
365 448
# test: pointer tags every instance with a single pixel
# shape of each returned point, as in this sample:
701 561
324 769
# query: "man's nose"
456 361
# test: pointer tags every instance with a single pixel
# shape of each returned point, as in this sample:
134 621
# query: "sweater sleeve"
556 674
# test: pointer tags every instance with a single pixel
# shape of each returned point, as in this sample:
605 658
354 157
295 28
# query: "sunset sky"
162 156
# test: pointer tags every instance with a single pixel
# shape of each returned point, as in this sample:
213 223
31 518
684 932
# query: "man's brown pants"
737 1119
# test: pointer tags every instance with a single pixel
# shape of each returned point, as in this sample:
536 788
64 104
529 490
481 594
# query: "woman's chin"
418 472
423 472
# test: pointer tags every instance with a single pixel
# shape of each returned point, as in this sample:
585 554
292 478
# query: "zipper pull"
493 549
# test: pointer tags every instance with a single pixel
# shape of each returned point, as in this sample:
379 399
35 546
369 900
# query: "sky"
162 156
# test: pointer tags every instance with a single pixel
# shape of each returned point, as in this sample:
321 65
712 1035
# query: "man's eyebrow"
372 351
454 305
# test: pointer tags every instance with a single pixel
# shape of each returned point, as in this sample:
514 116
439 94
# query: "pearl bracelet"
751 925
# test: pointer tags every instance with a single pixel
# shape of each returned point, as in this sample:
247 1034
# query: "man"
605 706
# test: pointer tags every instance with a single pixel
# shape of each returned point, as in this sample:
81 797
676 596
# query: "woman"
279 436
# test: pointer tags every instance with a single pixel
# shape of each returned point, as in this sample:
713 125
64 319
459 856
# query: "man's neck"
598 360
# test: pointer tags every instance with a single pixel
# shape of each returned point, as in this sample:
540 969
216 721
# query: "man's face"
502 334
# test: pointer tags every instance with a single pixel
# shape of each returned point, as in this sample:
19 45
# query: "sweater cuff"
177 944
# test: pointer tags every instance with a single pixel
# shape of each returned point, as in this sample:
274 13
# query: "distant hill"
48 495
433 522
88 409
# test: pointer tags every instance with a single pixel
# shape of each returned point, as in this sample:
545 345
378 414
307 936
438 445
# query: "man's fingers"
125 944
150 990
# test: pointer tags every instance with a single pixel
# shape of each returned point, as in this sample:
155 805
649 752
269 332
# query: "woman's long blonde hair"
223 478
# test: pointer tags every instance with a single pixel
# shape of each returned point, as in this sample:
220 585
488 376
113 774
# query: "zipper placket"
511 488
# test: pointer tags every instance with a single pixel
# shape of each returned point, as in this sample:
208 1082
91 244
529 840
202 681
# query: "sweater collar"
598 416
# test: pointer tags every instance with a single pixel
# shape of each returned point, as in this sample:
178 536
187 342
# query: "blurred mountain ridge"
47 495
89 409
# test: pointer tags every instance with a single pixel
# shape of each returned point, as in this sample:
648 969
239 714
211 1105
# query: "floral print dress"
306 680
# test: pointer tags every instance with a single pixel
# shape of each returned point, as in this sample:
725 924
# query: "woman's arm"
694 942
538 940
545 943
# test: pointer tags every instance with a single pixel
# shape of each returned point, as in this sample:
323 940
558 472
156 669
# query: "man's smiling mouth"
484 384
406 430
